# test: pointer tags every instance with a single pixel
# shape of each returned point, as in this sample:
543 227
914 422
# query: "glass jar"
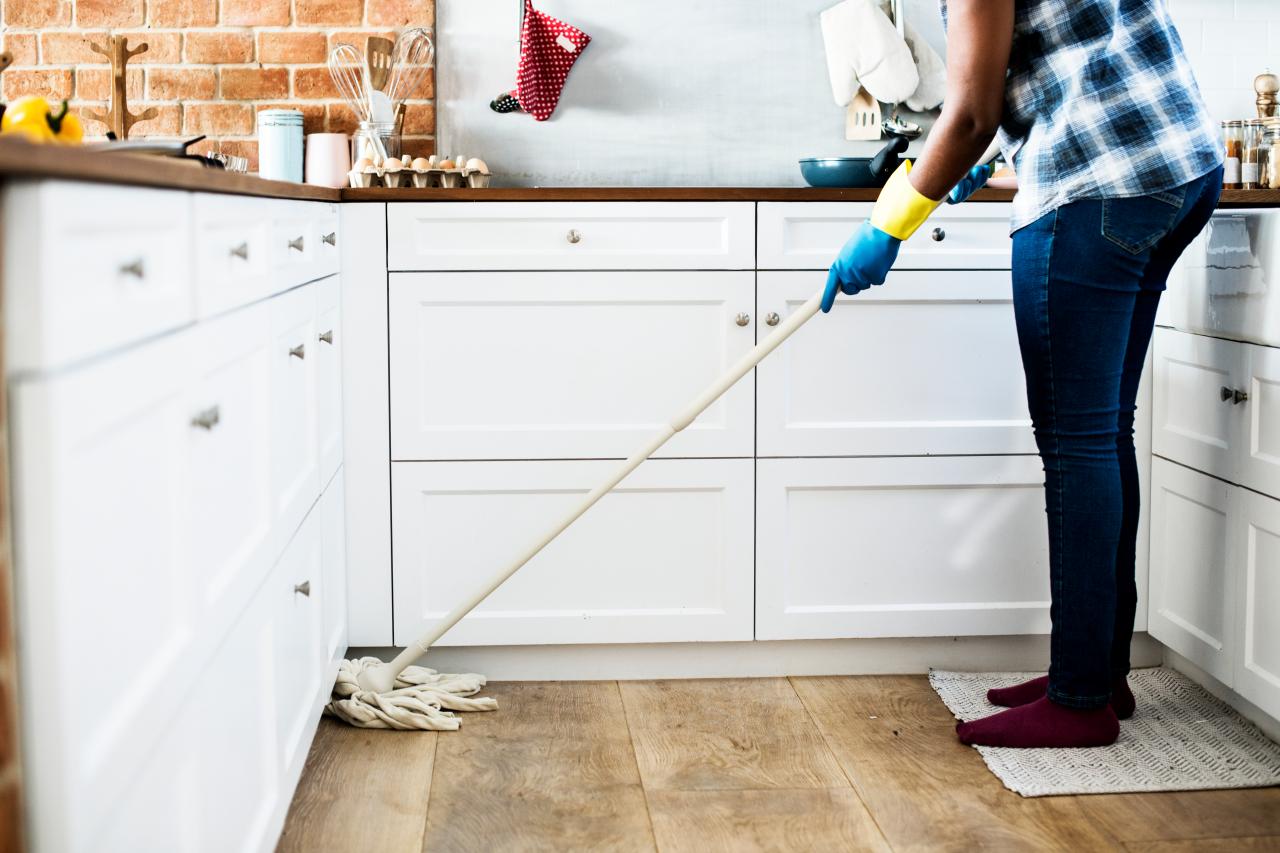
1251 153
1270 177
363 142
1232 134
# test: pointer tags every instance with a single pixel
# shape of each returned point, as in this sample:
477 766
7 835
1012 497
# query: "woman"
1119 167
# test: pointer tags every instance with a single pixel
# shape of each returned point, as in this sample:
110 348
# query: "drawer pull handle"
304 588
296 244
207 419
133 268
330 239
1225 394
574 236
1238 397
327 337
938 235
299 352
241 251
742 319
772 318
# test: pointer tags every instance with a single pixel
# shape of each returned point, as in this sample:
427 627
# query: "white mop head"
422 699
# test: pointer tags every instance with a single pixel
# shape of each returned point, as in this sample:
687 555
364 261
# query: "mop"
397 695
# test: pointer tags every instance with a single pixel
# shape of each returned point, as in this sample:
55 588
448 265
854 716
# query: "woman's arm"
979 36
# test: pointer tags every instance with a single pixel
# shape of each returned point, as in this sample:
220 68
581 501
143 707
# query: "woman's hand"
971 183
864 260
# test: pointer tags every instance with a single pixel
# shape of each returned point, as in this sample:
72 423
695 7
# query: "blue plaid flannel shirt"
1100 102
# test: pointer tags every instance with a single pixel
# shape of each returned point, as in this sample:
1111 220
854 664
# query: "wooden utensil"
862 118
378 55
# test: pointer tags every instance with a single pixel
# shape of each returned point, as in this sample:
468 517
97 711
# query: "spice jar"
1251 153
1232 132
1270 177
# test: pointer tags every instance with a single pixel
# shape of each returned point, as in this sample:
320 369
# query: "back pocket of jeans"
1136 224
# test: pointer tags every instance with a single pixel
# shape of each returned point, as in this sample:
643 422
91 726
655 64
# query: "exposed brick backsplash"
212 64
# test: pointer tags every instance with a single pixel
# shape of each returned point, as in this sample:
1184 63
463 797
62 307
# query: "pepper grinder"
1266 85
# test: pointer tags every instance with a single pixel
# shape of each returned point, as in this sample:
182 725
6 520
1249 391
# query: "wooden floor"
809 764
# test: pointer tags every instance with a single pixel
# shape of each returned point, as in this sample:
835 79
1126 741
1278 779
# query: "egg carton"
421 173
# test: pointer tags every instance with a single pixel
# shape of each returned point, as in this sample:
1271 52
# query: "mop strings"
423 699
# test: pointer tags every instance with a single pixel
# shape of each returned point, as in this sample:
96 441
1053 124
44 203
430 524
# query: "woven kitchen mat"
1181 738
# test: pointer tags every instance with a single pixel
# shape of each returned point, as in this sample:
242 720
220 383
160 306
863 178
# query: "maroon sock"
1122 701
1043 723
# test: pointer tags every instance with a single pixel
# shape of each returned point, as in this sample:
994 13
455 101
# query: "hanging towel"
548 49
932 71
864 49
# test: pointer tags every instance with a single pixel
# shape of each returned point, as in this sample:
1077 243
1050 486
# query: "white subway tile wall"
1229 42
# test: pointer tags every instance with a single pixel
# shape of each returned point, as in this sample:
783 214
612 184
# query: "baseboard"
751 659
1269 724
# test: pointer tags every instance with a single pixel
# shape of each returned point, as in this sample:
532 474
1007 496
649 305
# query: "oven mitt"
864 49
548 49
932 71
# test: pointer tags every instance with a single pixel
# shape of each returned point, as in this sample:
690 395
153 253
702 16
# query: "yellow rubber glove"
901 209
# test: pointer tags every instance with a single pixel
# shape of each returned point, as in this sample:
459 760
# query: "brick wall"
212 64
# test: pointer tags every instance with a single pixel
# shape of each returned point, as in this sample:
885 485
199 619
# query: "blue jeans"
1087 278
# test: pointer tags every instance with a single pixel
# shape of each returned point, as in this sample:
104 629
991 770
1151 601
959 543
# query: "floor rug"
1181 738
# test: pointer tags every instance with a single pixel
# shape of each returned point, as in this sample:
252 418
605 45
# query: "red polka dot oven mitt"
548 49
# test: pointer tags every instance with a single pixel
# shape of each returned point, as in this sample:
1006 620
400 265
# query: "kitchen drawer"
927 366
295 455
570 235
808 235
577 365
900 547
303 242
1197 421
1227 282
665 557
232 235
296 591
328 351
91 268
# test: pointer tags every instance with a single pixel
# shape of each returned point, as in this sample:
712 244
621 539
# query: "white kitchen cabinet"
666 557
334 543
927 366
905 547
328 350
570 236
1257 550
295 458
233 267
1193 575
1260 416
808 235
1196 419
540 365
302 659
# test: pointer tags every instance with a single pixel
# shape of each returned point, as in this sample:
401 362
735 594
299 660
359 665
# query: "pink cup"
328 159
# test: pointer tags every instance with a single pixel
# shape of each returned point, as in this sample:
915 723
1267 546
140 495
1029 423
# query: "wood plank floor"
806 764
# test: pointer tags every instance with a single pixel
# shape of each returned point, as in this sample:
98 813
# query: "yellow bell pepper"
31 117
66 126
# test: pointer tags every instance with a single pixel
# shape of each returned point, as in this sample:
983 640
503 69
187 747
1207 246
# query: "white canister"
328 159
280 145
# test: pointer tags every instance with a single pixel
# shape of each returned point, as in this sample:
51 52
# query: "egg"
475 164
392 165
421 164
446 164
363 164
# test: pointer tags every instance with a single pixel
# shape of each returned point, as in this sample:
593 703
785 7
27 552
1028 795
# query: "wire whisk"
412 58
347 68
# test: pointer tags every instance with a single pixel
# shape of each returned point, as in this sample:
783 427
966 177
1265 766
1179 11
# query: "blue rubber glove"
864 260
970 183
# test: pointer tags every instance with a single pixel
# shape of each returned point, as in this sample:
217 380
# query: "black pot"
854 171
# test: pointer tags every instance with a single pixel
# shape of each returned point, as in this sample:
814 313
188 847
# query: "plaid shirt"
1100 102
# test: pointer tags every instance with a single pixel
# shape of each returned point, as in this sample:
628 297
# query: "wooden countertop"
20 159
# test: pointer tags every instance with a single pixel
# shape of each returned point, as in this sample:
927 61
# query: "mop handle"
682 419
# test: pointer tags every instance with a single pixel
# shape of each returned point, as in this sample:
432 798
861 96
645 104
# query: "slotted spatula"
378 55
862 118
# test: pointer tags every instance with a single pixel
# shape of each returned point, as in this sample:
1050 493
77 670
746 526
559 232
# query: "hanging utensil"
862 117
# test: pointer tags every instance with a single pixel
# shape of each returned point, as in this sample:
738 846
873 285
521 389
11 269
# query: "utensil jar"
362 144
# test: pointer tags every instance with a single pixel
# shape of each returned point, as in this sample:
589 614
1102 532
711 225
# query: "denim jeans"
1087 278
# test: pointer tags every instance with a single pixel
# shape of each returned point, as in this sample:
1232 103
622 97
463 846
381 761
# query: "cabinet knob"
1225 394
296 244
299 352
327 337
304 588
574 236
330 239
207 419
938 235
241 251
1238 397
742 319
772 318
133 268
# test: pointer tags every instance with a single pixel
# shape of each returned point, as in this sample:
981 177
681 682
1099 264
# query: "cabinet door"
900 547
100 490
295 460
565 365
231 238
1192 581
1193 424
329 376
1260 445
928 366
1257 544
229 536
334 539
297 591
665 557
